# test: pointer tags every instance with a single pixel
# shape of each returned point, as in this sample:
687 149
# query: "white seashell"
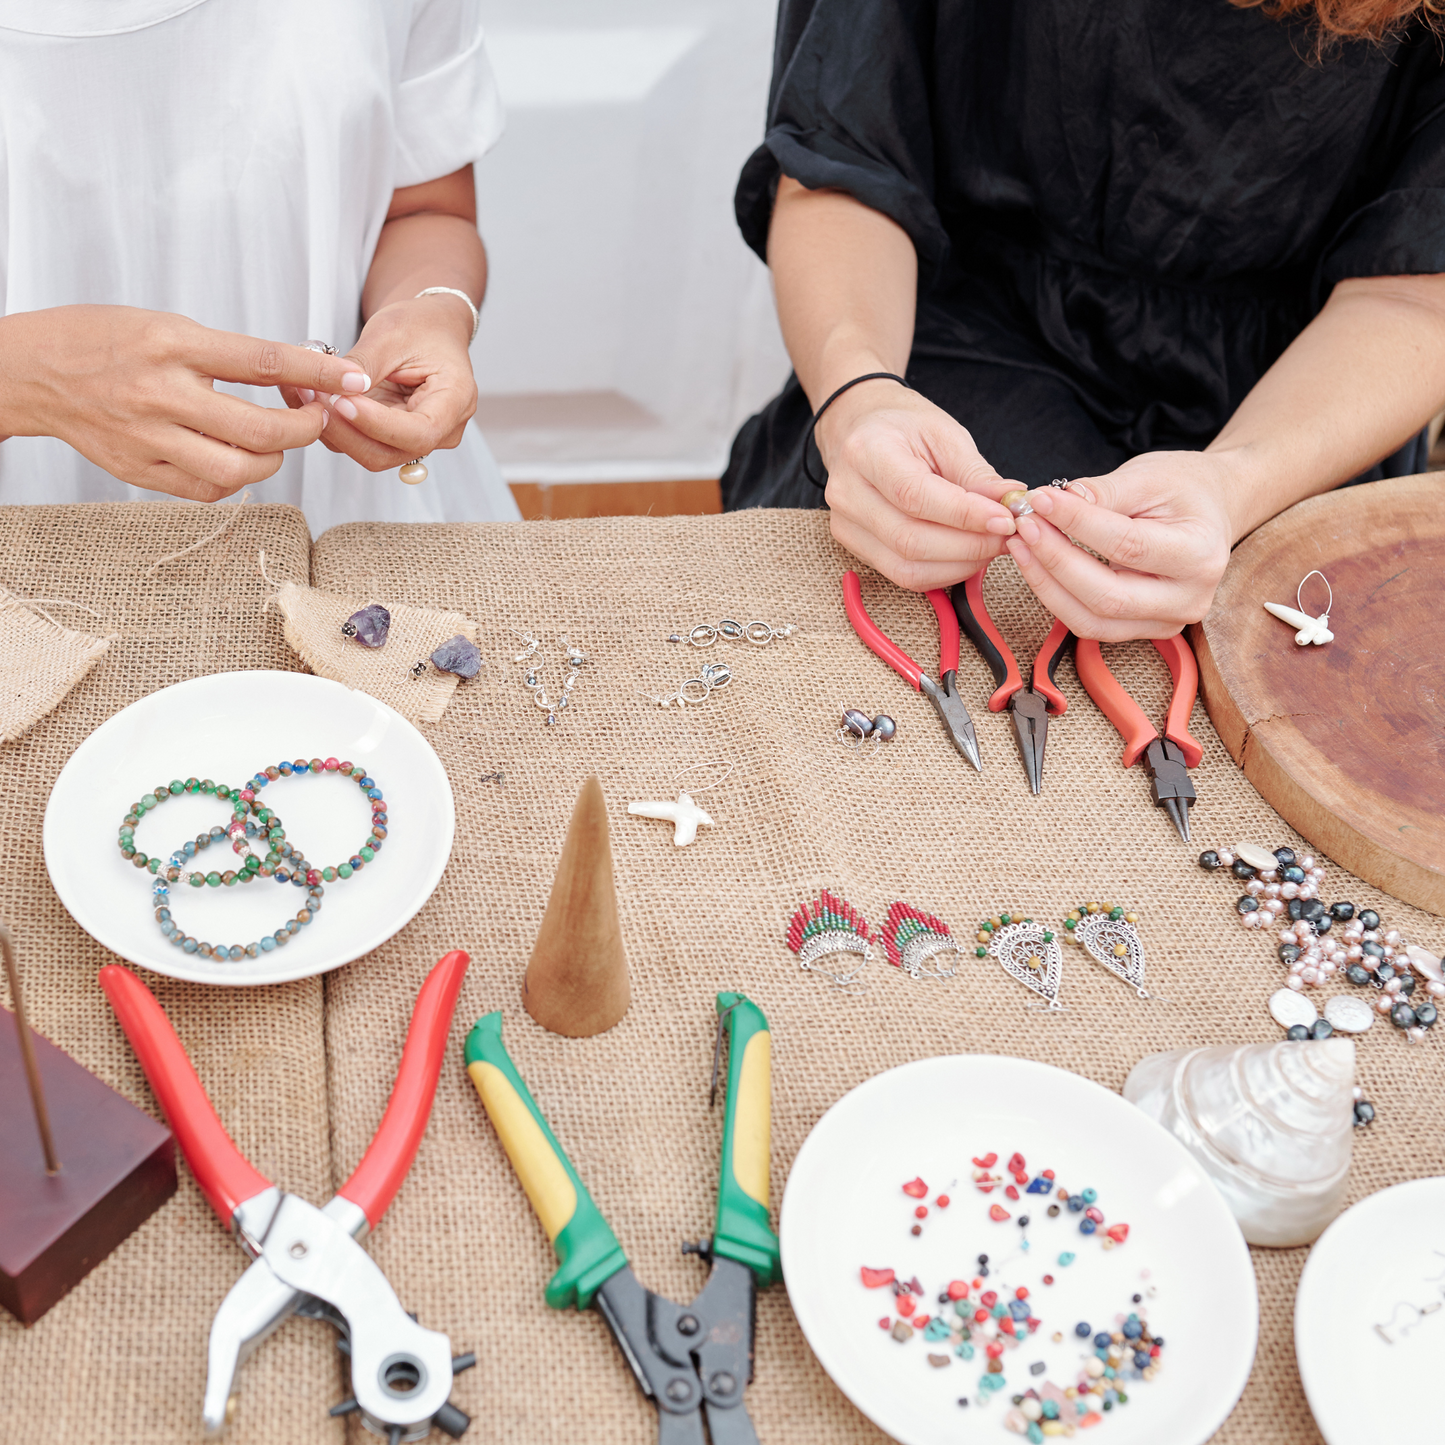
1348 1014
1258 858
1287 1008
1425 963
1272 1125
1311 629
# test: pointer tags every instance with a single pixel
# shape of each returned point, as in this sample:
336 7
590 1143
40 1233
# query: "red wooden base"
117 1167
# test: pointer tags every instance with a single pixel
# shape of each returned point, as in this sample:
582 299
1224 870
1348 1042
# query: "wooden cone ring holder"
577 983
81 1172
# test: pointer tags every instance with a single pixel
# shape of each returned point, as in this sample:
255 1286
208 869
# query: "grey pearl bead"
884 726
856 722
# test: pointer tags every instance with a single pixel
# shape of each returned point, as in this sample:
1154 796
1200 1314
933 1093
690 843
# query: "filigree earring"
1029 953
1107 934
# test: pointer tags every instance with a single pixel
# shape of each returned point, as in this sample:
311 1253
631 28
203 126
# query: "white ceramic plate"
227 727
844 1207
1378 1271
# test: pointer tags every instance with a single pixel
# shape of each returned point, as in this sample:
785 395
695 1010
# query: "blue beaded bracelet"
176 872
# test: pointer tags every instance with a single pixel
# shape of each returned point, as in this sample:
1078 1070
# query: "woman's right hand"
909 493
132 391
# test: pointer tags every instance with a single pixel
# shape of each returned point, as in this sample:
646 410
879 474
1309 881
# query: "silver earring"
711 678
1110 938
1033 956
858 731
758 633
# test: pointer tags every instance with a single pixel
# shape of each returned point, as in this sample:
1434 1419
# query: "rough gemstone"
369 626
457 655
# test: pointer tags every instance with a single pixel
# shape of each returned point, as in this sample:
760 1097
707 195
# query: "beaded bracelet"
248 806
154 799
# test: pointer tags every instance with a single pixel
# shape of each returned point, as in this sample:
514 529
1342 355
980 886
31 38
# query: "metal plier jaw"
949 706
1170 783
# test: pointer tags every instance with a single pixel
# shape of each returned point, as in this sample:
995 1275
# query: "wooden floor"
543 500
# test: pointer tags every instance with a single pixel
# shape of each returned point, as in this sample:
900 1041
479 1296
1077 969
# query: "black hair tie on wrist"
808 440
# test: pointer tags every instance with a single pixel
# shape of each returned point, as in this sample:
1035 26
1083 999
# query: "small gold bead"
1119 950
983 937
1131 918
1035 962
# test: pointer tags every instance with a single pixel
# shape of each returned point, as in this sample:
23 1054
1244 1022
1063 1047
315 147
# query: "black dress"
1124 210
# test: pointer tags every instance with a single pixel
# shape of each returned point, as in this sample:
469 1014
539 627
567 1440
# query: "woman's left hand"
423 391
1163 524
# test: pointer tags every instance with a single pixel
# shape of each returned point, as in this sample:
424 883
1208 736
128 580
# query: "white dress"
233 161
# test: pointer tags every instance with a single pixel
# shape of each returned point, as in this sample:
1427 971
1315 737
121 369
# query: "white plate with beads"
225 728
1181 1277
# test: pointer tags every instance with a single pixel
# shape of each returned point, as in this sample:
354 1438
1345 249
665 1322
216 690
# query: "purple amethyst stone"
458 655
369 626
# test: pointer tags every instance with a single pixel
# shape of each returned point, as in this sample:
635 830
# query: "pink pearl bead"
1286 935
1384 1005
1307 862
1289 890
1393 986
1415 1035
1274 907
1354 951
1435 989
1268 876
1249 920
1254 887
1295 982
1271 890
1226 858
1309 976
1371 935
1338 958
1327 969
1393 936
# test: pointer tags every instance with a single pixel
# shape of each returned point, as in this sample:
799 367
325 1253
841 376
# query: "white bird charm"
1311 629
684 815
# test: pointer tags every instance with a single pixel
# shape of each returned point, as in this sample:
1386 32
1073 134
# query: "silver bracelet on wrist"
452 291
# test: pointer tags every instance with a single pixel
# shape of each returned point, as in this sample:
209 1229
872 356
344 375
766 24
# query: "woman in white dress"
189 186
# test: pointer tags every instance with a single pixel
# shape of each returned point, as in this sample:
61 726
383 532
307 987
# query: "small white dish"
227 727
1369 1317
844 1208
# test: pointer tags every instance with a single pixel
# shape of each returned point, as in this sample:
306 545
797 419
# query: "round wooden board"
1346 741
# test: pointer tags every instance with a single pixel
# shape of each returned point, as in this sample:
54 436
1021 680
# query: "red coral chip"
1048 1279
988 1299
1033 1324
985 1188
877 1278
1095 1213
885 1323
1015 1163
1006 1325
958 1289
987 1162
1048 1174
997 1213
979 1316
1012 1191
915 1189
1021 1293
906 1305
920 1322
943 1201
1118 1232
921 1212
994 1350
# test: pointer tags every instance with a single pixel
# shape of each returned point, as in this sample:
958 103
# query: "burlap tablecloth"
122 1358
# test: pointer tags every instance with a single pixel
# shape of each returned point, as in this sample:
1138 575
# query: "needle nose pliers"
309 1261
1167 758
943 693
1029 704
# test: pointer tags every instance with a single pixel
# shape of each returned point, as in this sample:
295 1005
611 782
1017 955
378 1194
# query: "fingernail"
1043 500
306 394
355 381
345 408
1019 552
1080 490
1028 530
1000 526
325 417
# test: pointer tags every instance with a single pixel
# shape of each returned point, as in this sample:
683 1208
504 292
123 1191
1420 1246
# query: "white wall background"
627 330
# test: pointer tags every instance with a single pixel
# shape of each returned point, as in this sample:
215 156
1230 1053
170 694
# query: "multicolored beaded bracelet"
248 806
177 873
154 799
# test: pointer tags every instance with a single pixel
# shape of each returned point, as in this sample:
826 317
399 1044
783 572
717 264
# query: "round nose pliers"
942 693
1029 703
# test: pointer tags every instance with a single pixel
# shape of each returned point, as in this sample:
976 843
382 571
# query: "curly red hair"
1353 19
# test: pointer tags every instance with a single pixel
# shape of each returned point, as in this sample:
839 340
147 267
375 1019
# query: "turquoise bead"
268 944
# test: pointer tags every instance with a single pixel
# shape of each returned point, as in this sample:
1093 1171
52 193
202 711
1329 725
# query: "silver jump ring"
682 691
703 635
325 348
716 675
730 629
758 633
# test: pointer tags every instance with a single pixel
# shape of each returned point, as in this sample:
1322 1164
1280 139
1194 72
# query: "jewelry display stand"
577 982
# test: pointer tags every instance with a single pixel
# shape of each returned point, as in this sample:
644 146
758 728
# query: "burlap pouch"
312 624
40 661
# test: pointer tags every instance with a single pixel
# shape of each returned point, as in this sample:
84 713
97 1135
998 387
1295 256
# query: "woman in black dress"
1185 252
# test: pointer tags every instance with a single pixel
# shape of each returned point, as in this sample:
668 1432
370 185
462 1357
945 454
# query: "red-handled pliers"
1029 704
943 694
309 1261
1166 758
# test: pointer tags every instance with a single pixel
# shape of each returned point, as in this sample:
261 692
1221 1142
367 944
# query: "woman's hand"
133 392
1162 523
423 392
910 494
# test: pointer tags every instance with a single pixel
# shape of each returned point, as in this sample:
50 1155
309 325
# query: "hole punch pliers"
693 1361
1030 704
1167 758
309 1261
942 693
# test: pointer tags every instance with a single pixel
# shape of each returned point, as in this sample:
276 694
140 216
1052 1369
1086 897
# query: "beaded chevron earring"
911 938
827 926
